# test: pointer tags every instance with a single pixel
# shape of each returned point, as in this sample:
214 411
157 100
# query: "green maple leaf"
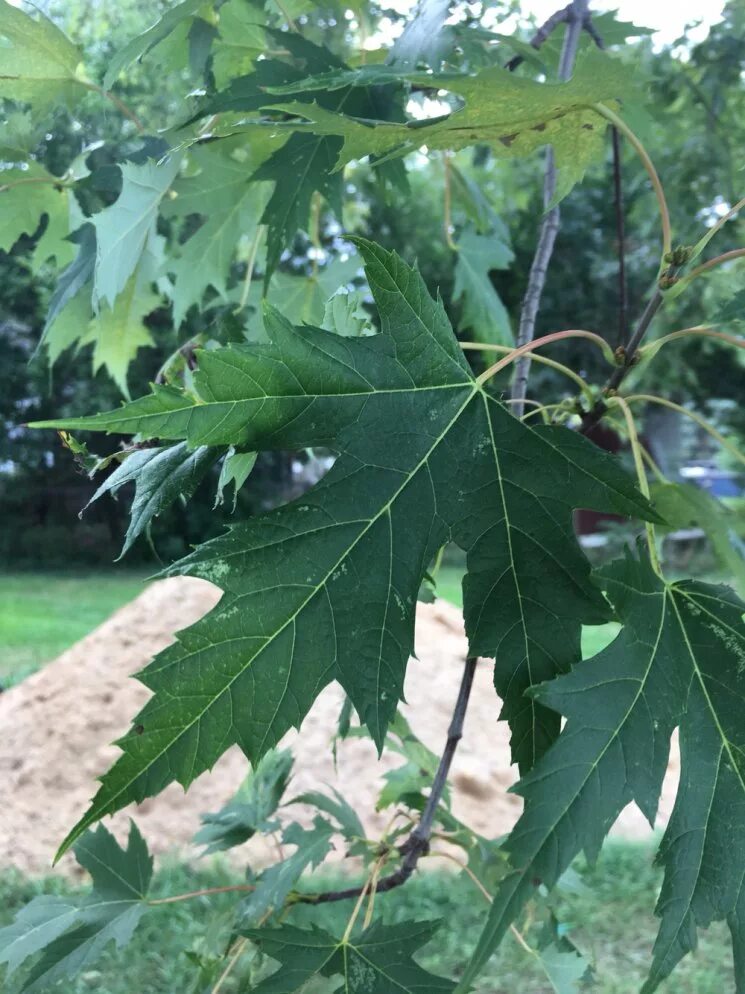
274 885
222 188
679 660
304 164
483 312
38 62
514 115
241 39
69 285
22 214
160 475
251 808
127 228
139 46
683 505
236 469
379 961
71 935
325 588
118 332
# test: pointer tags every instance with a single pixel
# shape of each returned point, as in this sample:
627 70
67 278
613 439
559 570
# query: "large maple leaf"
679 660
325 588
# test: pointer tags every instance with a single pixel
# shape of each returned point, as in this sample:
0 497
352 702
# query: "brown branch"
542 34
629 359
623 320
575 17
417 844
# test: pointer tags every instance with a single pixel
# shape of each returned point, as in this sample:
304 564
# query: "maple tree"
428 450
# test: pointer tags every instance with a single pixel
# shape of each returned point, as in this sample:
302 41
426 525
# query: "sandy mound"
57 727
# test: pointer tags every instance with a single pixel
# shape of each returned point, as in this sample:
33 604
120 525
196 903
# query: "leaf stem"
250 264
641 475
201 893
118 103
702 331
543 360
620 124
555 336
239 949
648 398
448 204
716 261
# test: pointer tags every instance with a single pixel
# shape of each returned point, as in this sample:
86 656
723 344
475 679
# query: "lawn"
42 614
608 910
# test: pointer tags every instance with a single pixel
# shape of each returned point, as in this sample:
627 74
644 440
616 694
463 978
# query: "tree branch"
575 17
547 28
417 844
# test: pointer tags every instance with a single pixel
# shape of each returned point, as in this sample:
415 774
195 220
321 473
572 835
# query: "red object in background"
588 522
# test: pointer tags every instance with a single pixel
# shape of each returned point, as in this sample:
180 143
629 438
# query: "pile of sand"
57 727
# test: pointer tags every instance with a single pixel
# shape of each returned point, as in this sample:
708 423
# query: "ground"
608 909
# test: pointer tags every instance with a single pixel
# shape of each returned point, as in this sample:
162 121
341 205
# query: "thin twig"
240 947
716 261
630 359
522 350
541 35
575 16
117 102
417 844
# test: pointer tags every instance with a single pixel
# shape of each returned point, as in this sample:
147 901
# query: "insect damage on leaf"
325 587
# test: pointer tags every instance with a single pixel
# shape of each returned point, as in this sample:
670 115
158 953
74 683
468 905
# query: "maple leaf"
325 588
118 332
235 205
236 469
483 312
241 39
160 475
37 61
69 285
71 934
250 810
379 961
22 214
273 886
304 163
514 115
124 230
139 46
679 660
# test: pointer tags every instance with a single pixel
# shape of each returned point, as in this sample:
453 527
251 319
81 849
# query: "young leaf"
678 661
124 230
160 475
483 313
72 935
236 469
274 885
379 961
251 808
325 588
37 61
338 808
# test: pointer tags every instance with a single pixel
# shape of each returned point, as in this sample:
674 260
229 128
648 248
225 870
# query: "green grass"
609 912
42 614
